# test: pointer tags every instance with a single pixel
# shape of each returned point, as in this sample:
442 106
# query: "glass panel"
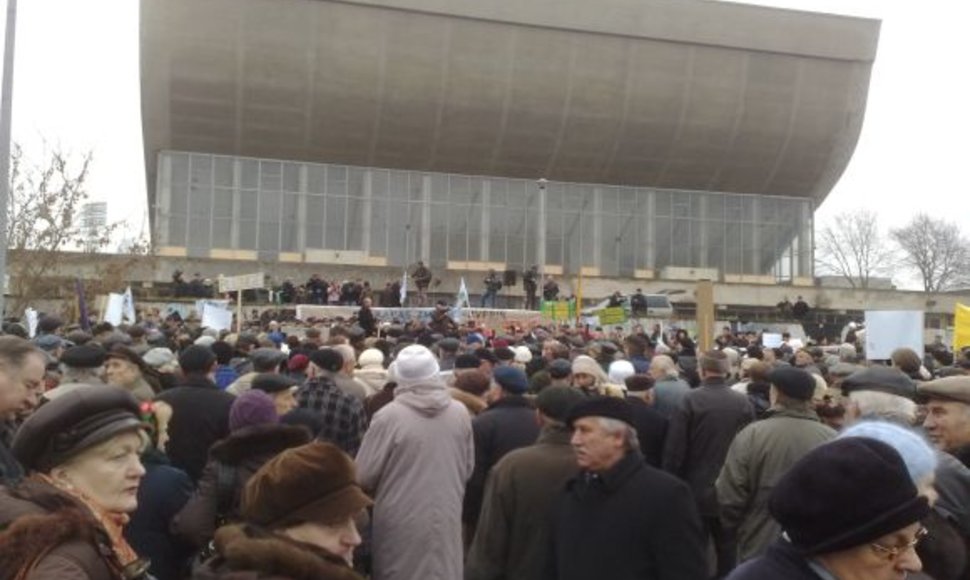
460 190
335 224
222 204
291 177
247 235
398 185
201 169
200 202
250 174
316 178
458 232
379 183
179 200
270 175
439 188
269 206
415 187
439 232
269 236
498 226
199 233
378 227
180 168
222 233
222 171
355 187
336 180
177 230
355 230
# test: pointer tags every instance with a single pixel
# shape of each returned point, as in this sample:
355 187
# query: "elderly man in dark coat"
620 518
700 432
513 529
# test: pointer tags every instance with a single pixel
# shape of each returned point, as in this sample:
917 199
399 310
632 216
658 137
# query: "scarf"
113 523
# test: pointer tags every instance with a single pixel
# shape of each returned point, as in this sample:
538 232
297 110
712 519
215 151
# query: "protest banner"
887 330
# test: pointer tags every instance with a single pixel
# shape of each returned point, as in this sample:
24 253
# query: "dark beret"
327 359
467 361
449 344
560 368
511 379
883 379
196 359
75 421
273 383
48 342
793 382
85 356
609 407
486 355
48 324
556 402
504 353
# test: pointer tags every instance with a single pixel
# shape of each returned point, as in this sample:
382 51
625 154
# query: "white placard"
771 340
217 318
115 308
887 330
31 315
244 282
200 305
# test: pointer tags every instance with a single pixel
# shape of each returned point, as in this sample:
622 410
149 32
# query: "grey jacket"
760 454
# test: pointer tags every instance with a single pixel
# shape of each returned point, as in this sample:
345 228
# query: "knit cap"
918 455
254 407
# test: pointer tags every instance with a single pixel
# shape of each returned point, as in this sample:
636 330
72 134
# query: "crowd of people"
449 451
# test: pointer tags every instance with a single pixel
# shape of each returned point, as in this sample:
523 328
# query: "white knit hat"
414 365
371 357
620 370
522 354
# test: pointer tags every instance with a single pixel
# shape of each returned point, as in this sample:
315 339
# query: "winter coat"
651 431
946 550
248 553
699 435
242 384
10 470
632 522
200 417
240 454
350 386
373 379
415 459
668 393
475 405
37 519
507 424
162 493
513 530
780 561
760 454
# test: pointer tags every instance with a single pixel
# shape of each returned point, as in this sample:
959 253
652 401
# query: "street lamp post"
6 123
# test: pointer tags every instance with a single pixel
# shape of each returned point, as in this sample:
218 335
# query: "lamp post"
6 123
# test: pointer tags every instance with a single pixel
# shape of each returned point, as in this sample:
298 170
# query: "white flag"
129 306
404 286
462 294
114 309
32 319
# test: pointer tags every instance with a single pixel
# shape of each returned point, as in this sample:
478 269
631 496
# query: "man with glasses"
849 509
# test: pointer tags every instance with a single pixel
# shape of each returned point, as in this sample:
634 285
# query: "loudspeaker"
509 278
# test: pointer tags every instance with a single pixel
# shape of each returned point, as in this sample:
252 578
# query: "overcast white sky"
77 85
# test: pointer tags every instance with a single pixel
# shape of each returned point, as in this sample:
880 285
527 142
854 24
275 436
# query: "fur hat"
609 407
844 494
254 407
414 365
315 482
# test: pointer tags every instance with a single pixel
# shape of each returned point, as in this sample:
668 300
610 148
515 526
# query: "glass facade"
208 202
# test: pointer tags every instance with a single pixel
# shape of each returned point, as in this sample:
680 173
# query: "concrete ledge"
681 273
291 257
589 271
801 281
351 257
551 270
171 252
233 255
749 279
644 274
477 266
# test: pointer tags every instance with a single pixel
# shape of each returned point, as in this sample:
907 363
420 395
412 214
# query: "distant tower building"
94 218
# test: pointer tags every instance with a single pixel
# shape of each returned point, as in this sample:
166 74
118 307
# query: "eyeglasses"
891 553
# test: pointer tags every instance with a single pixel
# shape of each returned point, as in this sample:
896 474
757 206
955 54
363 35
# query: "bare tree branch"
936 250
854 248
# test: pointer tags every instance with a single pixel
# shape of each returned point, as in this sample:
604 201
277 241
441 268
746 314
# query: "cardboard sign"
217 318
887 330
771 340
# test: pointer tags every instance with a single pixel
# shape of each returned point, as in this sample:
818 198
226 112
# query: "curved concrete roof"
670 93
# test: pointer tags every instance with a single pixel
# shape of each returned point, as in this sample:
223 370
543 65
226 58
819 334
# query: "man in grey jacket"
762 453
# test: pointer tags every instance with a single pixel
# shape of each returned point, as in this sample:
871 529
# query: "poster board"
887 330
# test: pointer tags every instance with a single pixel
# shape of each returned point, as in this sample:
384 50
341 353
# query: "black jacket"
780 561
162 493
699 435
10 470
632 522
651 430
507 424
200 417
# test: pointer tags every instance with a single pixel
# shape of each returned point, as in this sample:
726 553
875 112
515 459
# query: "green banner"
611 316
560 311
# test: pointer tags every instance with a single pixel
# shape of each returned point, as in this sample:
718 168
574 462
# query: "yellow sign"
611 316
961 326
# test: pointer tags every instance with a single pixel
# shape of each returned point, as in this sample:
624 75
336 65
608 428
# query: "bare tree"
936 250
854 248
45 203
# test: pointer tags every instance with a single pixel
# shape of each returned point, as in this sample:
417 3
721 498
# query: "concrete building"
680 139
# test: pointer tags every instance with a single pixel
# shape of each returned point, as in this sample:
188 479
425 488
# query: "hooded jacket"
415 459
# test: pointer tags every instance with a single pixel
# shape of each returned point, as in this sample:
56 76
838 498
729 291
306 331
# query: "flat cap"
504 353
486 355
467 361
272 383
955 388
883 379
560 368
511 379
48 342
85 356
449 344
327 359
265 358
609 407
77 420
793 382
556 402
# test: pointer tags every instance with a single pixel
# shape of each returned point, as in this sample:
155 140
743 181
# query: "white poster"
887 330
216 318
114 310
31 315
771 340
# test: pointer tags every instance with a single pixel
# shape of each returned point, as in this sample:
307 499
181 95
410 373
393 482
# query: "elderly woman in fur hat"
65 520
299 511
